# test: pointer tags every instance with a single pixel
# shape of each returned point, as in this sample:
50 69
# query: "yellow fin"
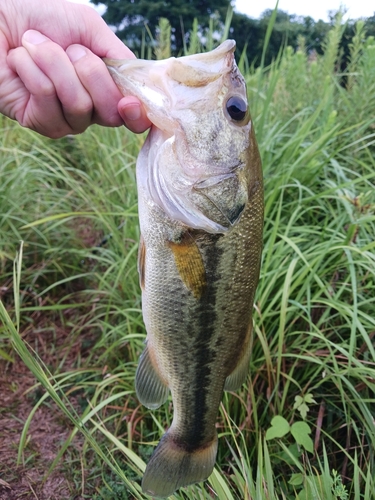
149 386
173 466
239 374
189 263
141 262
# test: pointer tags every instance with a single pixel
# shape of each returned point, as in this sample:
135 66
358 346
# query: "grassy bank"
303 426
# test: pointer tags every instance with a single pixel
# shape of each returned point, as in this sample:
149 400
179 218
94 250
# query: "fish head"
198 104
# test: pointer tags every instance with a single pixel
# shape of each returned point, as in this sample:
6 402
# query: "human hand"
52 78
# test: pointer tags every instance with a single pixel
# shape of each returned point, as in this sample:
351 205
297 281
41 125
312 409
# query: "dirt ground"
43 438
27 477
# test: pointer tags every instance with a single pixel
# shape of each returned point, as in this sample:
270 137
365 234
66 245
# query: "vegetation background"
71 329
137 22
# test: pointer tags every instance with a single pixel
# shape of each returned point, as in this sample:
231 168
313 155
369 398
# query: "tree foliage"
287 30
133 19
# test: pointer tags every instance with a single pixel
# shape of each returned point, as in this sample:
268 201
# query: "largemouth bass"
200 194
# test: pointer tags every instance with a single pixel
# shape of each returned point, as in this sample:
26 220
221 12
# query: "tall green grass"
313 362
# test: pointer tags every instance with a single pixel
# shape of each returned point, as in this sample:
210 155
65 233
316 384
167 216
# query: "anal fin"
150 388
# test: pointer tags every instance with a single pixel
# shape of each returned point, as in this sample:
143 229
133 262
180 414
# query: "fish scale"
200 195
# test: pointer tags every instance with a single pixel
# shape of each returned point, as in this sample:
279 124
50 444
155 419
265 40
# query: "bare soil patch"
28 477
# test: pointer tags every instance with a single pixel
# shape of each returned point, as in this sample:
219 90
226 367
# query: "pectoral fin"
190 264
239 374
150 388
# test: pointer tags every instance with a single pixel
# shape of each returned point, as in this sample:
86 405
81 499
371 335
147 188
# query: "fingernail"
132 112
75 52
34 37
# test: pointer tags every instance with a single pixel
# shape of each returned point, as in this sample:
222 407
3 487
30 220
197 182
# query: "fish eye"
237 108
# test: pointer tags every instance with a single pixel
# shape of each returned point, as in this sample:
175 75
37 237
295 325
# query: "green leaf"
309 398
298 401
296 479
300 431
303 409
291 454
301 404
279 427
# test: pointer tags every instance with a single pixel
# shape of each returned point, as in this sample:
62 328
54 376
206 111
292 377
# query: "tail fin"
172 467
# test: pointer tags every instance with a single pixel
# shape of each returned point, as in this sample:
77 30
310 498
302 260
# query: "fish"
200 203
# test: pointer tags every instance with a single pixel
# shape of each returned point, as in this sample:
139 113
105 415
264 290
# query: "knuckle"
108 121
91 70
48 55
45 87
83 107
57 131
58 134
115 121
